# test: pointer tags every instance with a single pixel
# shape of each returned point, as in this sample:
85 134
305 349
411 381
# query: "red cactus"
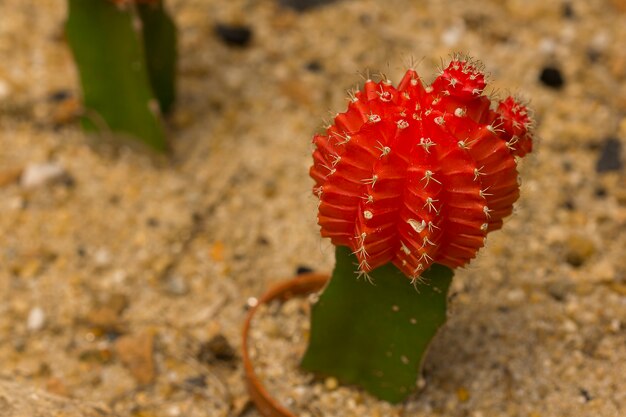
419 174
517 126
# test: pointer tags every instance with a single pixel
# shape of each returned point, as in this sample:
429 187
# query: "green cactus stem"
117 77
376 335
159 40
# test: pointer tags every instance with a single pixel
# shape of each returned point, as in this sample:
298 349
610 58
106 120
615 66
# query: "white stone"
453 34
36 319
36 175
102 257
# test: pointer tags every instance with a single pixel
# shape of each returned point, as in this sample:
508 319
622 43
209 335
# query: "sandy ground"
125 280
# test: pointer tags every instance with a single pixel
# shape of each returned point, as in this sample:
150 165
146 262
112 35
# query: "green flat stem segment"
159 40
109 52
376 335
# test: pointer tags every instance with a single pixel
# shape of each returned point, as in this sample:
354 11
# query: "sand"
124 277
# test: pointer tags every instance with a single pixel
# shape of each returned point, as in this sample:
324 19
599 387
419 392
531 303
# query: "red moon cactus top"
418 174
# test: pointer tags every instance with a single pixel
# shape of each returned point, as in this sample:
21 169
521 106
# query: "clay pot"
299 286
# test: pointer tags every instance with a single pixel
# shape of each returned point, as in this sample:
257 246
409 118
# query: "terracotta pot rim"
298 286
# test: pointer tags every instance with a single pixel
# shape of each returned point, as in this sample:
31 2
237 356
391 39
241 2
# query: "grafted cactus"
410 180
125 52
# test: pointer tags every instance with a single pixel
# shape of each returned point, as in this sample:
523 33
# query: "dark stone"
600 192
567 166
578 250
567 11
594 145
113 335
152 222
569 205
196 381
610 156
303 5
314 66
559 290
585 394
59 95
234 35
366 19
551 77
475 20
303 269
218 349
593 55
68 181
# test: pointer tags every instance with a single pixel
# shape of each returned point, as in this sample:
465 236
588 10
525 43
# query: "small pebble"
567 10
551 77
600 192
173 410
303 269
570 326
102 257
37 175
216 349
175 285
516 295
217 251
36 319
453 34
568 205
303 5
152 222
234 35
578 250
314 66
59 95
462 394
615 325
57 386
610 156
331 383
103 319
196 381
585 395
593 55
136 352
559 290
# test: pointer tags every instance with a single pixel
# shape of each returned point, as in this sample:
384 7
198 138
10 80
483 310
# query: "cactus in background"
410 181
159 40
125 52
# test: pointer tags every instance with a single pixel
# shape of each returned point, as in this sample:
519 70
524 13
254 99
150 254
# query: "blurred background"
125 272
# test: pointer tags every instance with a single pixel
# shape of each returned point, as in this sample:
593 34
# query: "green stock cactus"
126 57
